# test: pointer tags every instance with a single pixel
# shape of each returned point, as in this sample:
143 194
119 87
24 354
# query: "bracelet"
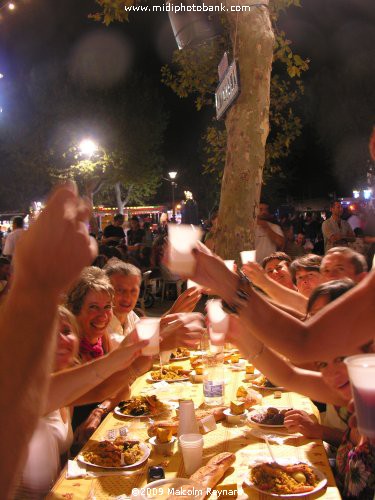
256 356
104 409
242 294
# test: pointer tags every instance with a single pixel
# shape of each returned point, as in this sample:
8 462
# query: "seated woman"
90 300
328 384
53 437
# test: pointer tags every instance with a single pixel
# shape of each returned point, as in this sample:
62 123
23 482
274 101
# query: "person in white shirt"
14 236
269 237
336 231
126 280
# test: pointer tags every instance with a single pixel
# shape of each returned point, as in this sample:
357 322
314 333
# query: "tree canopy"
194 72
52 113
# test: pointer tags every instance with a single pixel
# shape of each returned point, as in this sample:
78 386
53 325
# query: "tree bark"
120 203
247 124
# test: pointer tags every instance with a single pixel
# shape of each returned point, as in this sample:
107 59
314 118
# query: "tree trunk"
247 124
120 203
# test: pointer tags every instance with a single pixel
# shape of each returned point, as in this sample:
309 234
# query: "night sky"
337 110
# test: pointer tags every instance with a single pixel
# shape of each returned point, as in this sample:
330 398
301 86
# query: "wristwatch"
242 294
105 409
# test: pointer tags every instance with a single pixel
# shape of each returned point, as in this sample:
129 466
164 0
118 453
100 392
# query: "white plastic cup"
191 284
148 329
192 452
219 322
182 238
248 256
229 264
361 369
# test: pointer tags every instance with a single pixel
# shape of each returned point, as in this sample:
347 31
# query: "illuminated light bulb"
88 147
11 6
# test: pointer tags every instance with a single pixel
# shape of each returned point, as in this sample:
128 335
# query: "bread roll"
209 475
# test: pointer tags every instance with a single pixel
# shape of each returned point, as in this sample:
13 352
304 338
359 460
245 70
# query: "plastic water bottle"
213 377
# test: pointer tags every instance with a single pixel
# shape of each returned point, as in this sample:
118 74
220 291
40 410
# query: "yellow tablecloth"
225 438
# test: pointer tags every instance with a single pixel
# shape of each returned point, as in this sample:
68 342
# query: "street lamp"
88 147
172 176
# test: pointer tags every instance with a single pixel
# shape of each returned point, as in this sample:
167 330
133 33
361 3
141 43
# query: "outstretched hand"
255 273
182 329
187 301
61 236
211 272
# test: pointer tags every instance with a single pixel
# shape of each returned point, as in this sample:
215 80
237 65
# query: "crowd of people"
68 320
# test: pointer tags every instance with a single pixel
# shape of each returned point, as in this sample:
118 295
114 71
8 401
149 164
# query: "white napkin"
75 469
208 423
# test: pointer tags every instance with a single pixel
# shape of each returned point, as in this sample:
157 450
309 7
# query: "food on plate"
248 396
170 373
263 381
172 423
277 394
142 405
209 475
115 453
235 358
237 407
195 361
241 392
284 480
250 369
199 370
164 435
180 352
270 416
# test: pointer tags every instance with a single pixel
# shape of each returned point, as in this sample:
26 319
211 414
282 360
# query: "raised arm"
48 258
93 381
341 326
280 371
279 293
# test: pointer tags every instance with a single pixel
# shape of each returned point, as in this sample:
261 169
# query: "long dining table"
245 441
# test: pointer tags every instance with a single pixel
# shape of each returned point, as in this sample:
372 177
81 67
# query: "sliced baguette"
209 475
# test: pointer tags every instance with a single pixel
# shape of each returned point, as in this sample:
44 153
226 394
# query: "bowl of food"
286 479
235 413
197 375
164 442
268 417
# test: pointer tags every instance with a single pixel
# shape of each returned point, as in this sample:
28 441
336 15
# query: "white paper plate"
228 413
183 358
321 477
146 453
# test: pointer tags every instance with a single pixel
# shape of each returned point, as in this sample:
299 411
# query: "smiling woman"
90 300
